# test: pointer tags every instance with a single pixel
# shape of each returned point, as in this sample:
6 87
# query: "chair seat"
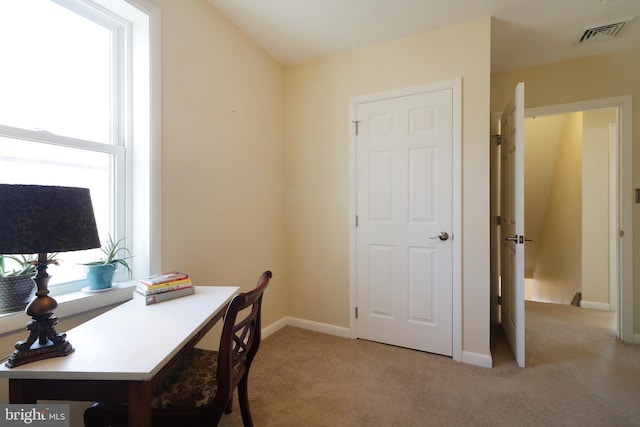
192 385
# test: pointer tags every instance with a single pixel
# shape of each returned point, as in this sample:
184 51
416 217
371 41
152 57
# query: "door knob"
442 236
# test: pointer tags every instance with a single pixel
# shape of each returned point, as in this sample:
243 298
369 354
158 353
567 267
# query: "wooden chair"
200 389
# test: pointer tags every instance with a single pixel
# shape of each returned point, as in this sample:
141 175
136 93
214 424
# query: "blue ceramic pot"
100 276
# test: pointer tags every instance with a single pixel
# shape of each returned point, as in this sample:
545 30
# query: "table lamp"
44 219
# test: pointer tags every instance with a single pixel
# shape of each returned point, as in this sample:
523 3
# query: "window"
73 72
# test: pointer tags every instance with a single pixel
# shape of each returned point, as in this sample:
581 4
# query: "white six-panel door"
405 231
512 233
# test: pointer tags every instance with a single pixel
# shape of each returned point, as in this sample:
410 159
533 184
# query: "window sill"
71 304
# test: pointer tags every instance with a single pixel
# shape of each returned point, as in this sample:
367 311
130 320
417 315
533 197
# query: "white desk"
123 353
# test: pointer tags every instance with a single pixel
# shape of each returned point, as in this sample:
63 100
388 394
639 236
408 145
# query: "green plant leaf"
114 253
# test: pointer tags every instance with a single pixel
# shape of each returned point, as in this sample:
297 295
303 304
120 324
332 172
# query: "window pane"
56 70
27 162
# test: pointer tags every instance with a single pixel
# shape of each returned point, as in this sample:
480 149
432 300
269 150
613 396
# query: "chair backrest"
240 337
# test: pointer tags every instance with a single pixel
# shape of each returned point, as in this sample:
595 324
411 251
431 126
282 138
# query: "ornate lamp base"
43 341
41 330
20 357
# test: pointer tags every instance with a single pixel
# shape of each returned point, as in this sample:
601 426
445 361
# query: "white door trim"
625 197
614 256
456 308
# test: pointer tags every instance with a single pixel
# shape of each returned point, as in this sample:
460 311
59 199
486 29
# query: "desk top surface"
132 341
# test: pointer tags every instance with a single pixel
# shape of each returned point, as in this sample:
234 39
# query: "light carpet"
577 374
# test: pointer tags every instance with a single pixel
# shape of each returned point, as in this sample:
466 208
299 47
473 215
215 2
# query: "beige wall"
222 149
541 139
595 205
317 165
589 78
557 270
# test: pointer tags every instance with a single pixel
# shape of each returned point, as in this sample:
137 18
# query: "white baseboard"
595 305
305 324
477 359
274 327
319 327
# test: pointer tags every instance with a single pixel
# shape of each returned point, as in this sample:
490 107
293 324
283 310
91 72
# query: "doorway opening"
570 188
617 243
619 204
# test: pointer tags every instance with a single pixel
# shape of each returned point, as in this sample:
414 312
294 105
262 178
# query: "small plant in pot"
100 273
16 285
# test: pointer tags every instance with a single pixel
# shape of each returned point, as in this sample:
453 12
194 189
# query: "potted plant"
100 273
16 285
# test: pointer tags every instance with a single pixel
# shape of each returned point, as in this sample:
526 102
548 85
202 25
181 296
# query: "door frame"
455 85
625 201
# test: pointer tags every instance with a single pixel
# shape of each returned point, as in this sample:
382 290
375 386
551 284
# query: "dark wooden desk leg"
140 403
18 392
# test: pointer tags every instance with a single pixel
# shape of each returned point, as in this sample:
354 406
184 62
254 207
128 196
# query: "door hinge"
356 220
499 300
356 122
499 220
498 139
356 312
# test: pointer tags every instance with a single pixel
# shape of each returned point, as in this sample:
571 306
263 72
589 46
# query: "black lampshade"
45 219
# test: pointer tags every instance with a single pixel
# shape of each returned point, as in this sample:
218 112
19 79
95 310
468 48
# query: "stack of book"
165 286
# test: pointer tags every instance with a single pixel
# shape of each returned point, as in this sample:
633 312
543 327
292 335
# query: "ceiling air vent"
603 32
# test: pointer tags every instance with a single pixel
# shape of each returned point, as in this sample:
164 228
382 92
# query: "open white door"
512 226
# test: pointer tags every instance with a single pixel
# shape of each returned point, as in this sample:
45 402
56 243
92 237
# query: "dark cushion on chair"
192 384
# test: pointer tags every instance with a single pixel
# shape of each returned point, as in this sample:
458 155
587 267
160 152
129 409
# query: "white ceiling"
525 32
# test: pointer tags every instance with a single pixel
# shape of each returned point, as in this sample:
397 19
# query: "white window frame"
143 196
